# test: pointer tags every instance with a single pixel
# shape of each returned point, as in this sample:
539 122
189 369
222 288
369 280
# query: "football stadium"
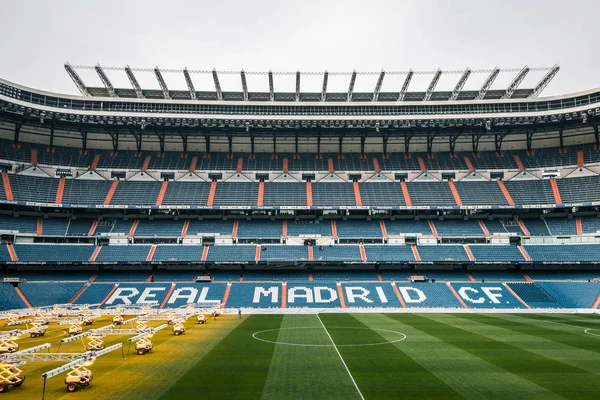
256 241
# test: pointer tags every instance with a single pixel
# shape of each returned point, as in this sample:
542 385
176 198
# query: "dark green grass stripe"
234 369
578 339
382 372
562 379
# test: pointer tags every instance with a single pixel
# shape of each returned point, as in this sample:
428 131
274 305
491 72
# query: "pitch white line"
341 358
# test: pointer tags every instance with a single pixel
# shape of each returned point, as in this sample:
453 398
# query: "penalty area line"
341 358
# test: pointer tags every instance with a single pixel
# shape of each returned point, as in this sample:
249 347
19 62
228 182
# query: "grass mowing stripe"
560 378
464 373
566 334
531 338
304 372
234 369
384 371
341 358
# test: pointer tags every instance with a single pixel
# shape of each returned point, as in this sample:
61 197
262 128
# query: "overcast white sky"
38 37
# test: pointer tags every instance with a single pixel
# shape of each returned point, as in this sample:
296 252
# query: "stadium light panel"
487 84
162 83
405 85
460 84
107 83
545 81
432 85
134 82
515 83
77 80
190 84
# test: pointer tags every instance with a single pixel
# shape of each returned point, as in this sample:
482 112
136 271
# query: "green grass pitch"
376 356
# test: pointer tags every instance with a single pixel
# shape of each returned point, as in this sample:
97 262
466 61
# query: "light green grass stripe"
234 369
299 372
469 375
382 371
567 331
499 328
560 378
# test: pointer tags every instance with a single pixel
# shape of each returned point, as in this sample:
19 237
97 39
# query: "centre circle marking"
255 335
591 333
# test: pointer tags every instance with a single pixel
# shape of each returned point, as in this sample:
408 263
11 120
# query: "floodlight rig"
10 373
79 375
7 339
144 344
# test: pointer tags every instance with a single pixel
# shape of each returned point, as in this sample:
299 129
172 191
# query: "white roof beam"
510 90
244 85
134 82
297 85
351 87
324 89
460 84
539 88
432 85
217 84
107 84
161 83
487 84
77 80
190 84
405 85
271 88
378 85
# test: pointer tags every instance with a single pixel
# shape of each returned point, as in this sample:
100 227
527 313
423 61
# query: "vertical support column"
555 191
357 198
7 188
240 165
484 228
34 157
211 195
519 162
185 228
161 193
284 295
376 165
151 253
146 163
309 200
193 164
261 194
95 162
580 159
133 228
416 253
333 229
422 165
579 226
405 194
330 165
285 165
524 253
111 192
469 164
505 192
432 227
60 190
455 193
383 229
257 254
40 224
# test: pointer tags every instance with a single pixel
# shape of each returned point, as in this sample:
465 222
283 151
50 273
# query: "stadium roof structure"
269 93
